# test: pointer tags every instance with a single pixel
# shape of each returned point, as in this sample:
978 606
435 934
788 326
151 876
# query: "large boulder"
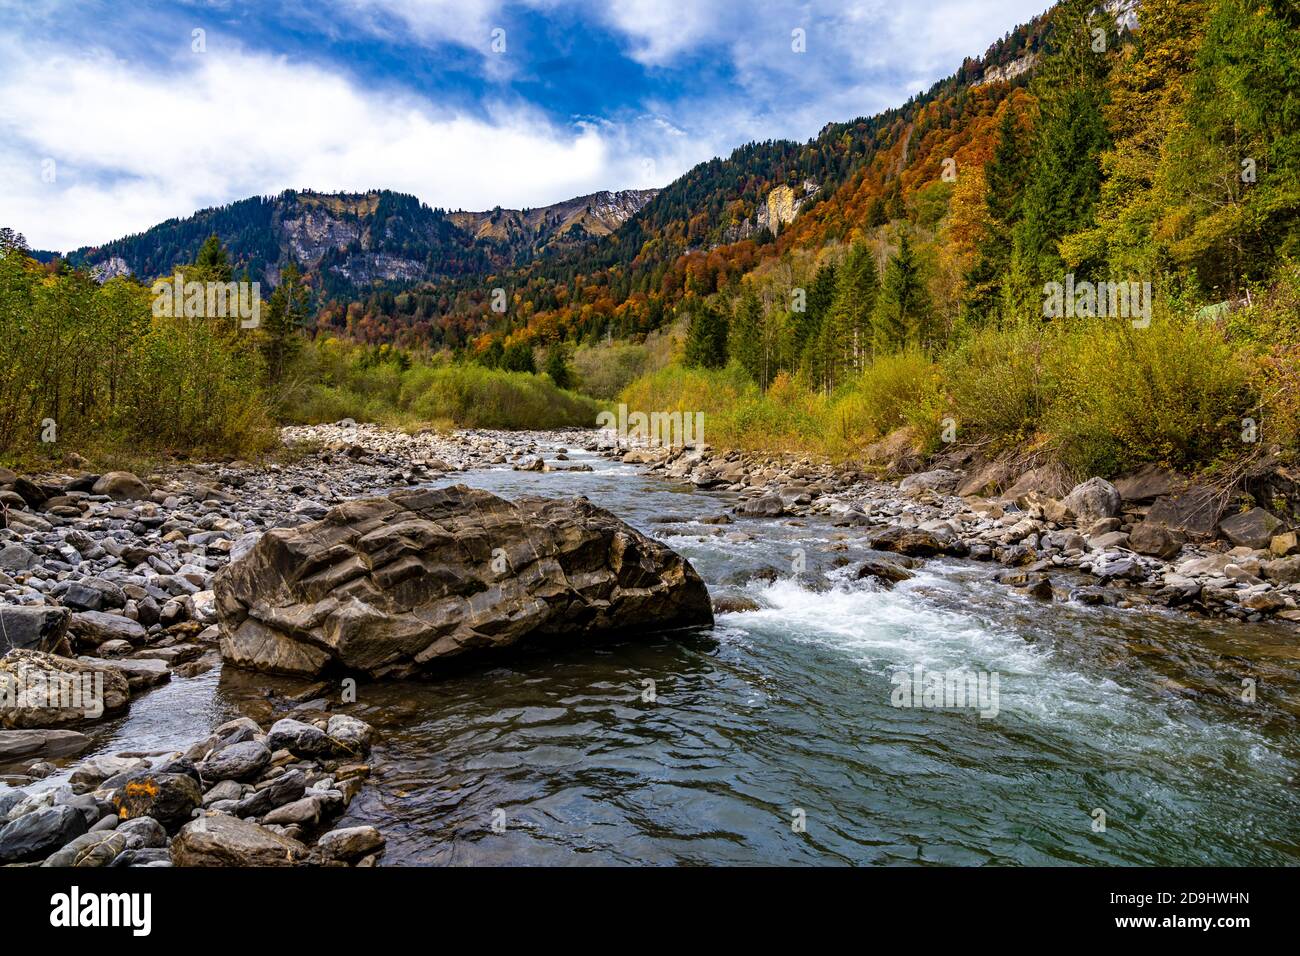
35 835
1194 510
39 628
1093 500
170 798
387 586
1147 483
122 486
219 840
45 690
1251 529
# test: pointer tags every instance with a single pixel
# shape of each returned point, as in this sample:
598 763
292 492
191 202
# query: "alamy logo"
1125 300
945 690
74 909
663 429
54 690
176 298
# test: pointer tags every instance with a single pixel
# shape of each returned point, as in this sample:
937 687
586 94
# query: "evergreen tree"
706 342
212 264
745 336
903 311
1005 175
282 322
855 301
1065 172
518 357
557 368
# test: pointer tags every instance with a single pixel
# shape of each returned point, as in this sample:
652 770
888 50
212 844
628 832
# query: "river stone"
36 835
283 789
1251 529
41 743
38 628
909 541
45 690
1155 539
299 738
350 737
1283 570
942 480
1092 500
304 812
1194 511
140 674
241 761
121 486
386 586
350 843
14 557
886 572
170 798
220 840
97 627
142 833
97 848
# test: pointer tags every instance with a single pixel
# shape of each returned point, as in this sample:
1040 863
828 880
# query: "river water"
774 739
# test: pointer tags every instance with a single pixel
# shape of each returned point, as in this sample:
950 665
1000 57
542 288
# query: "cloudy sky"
118 114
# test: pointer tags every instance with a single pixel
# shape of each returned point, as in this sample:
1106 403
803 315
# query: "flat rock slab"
388 586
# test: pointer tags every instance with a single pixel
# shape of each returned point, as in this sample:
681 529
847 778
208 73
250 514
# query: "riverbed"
1120 736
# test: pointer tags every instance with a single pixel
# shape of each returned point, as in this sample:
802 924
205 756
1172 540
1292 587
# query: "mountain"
350 243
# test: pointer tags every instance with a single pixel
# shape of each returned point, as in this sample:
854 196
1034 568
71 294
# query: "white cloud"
136 146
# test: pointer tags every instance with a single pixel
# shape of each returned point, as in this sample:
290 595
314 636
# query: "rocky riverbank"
1151 537
108 589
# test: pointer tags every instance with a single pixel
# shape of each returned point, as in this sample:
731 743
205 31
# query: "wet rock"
886 572
350 844
279 791
1251 529
35 835
219 840
349 737
304 812
239 761
37 628
15 744
768 506
734 605
170 798
97 848
299 738
388 585
909 541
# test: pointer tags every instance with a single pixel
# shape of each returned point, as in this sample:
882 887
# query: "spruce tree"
903 311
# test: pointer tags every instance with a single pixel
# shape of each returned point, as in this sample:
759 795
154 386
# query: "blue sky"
117 115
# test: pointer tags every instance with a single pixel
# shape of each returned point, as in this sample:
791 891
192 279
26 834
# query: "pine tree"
706 342
1005 176
282 322
745 336
855 301
557 368
903 311
1065 172
212 264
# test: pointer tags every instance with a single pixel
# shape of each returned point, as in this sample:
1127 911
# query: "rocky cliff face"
778 208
